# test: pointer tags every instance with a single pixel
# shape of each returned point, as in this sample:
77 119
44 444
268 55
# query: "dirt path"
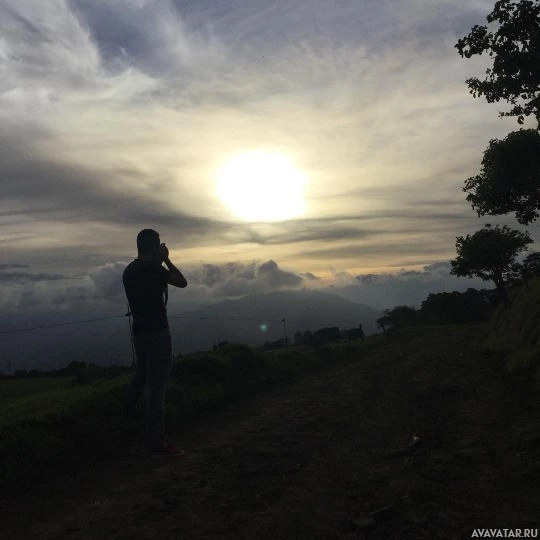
305 460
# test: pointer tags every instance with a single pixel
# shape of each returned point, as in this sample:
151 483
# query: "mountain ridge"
304 309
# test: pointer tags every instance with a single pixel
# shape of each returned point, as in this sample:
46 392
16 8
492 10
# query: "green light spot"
264 328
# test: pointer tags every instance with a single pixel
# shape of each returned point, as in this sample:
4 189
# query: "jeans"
154 359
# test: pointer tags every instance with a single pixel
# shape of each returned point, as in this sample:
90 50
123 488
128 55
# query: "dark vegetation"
513 41
321 336
81 372
515 157
490 254
423 436
91 425
442 308
508 180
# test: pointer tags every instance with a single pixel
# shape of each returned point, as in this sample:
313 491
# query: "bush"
94 426
457 308
200 368
243 360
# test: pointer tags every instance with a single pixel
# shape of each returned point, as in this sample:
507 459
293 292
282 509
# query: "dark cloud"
212 274
360 252
26 277
208 282
444 20
7 266
103 286
123 30
273 277
442 267
310 276
108 279
353 227
405 287
42 188
102 292
293 231
39 188
237 279
368 279
72 297
151 36
235 287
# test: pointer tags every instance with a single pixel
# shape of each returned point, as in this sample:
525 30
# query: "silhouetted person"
361 332
145 282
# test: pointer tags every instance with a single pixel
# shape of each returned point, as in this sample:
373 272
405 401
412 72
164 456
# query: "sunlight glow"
261 186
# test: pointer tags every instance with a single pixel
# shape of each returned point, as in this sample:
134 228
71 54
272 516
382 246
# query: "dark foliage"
514 45
353 333
532 264
509 177
231 361
318 337
489 254
457 307
273 345
326 335
398 317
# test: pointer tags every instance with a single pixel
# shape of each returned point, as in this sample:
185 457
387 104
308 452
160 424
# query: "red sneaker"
169 450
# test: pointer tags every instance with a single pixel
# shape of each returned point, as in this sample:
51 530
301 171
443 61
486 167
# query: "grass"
514 333
37 401
53 427
20 388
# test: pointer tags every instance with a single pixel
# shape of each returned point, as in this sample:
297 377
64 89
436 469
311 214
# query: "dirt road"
314 458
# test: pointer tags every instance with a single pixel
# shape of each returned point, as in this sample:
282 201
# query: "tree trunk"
501 289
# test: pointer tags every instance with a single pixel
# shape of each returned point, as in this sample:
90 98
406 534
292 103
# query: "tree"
307 337
528 269
532 264
384 321
509 180
398 317
515 45
403 316
456 307
517 274
489 254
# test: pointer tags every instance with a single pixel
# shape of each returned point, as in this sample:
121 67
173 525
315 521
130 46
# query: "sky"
272 144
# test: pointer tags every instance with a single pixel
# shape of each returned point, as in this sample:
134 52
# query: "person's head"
148 243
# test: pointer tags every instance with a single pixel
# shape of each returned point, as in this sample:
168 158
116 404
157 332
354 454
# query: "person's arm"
174 276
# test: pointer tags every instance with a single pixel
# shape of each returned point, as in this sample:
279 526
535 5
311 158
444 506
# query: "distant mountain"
305 309
108 342
103 342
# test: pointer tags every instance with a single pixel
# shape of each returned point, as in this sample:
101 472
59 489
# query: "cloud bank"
404 287
102 288
102 292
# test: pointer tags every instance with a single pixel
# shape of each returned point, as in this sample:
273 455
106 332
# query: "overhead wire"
261 319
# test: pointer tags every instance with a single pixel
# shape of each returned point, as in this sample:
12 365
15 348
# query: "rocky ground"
419 437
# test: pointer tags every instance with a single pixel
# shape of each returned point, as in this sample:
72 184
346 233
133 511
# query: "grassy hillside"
49 427
63 426
514 333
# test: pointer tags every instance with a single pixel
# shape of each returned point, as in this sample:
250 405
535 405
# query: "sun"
261 186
